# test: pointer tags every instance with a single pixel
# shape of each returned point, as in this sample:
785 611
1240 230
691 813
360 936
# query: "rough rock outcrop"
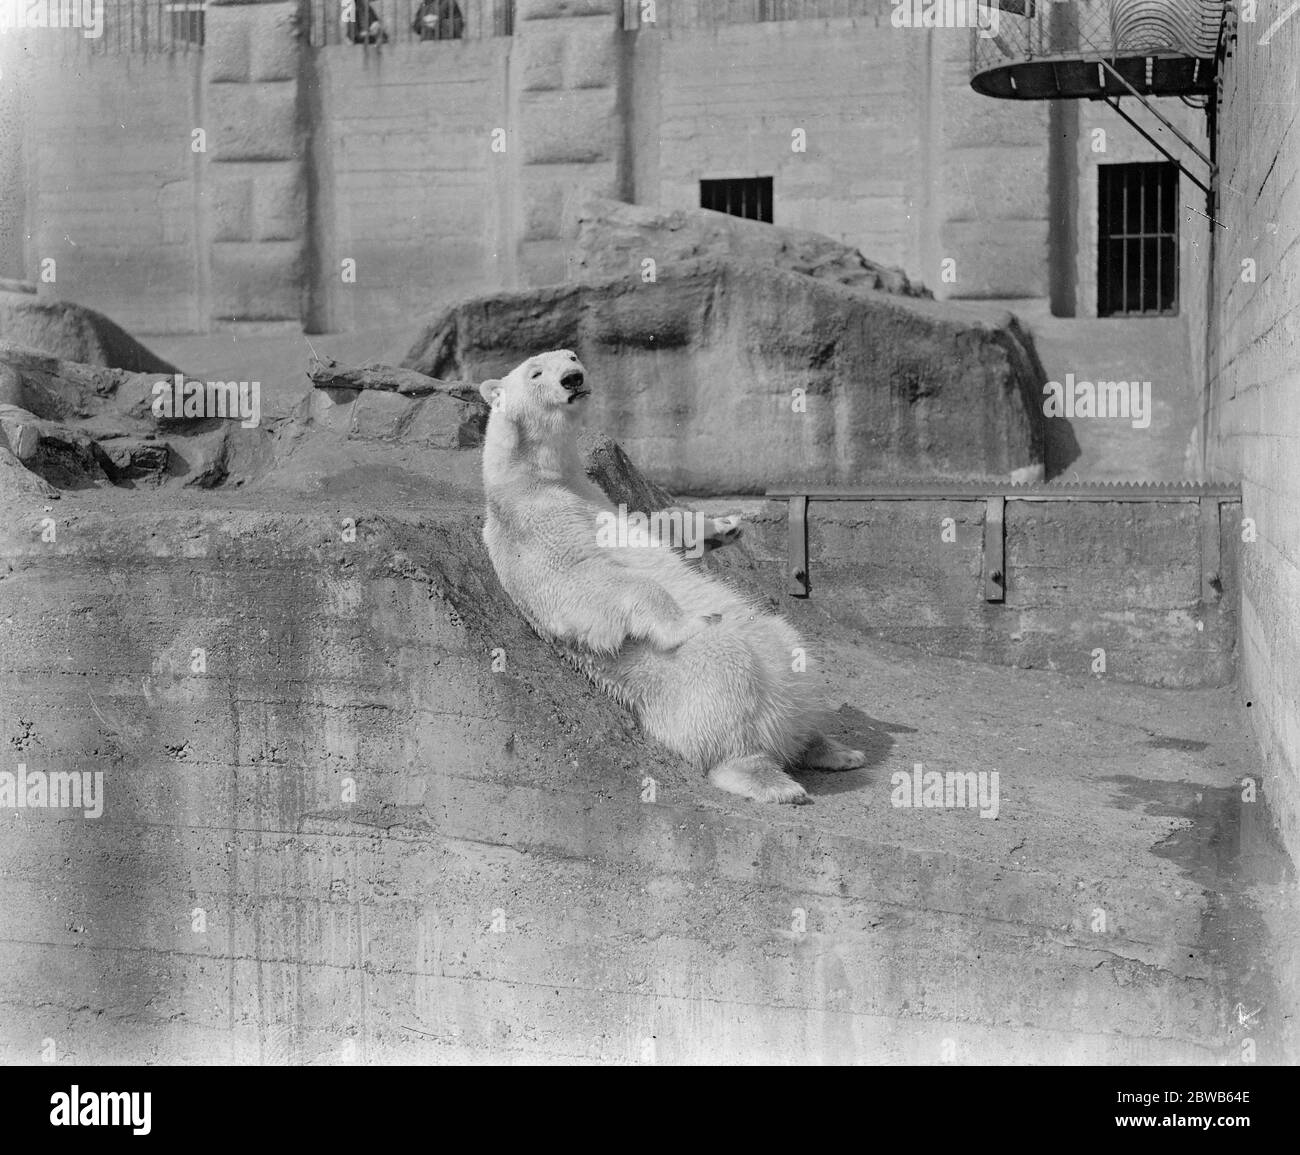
733 377
75 426
377 402
72 333
615 239
66 426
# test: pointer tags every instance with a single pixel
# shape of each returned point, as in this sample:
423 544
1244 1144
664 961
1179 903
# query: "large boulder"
728 377
72 333
615 239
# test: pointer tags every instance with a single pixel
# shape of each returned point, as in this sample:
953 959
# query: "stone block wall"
1252 420
446 168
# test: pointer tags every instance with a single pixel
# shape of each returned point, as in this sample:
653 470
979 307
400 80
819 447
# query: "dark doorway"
1137 260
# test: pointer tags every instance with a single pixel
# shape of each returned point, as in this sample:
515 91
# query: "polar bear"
707 673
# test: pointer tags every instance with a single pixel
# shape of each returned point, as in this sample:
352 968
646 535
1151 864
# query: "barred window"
749 197
1137 265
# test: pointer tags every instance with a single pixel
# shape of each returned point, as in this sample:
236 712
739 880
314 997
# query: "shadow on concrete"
1229 845
870 735
1060 447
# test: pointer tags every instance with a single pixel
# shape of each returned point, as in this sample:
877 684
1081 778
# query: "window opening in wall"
1137 262
185 21
749 197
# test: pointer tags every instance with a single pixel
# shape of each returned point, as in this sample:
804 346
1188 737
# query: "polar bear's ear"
491 390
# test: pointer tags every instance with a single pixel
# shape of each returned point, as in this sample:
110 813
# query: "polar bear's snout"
575 384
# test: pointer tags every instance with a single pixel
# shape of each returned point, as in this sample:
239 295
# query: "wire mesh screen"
1033 29
372 22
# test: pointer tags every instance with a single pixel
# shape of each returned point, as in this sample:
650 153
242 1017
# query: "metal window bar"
129 27
1137 259
156 27
714 13
748 197
453 20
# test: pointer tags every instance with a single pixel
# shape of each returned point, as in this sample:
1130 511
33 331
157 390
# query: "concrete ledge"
559 9
1095 588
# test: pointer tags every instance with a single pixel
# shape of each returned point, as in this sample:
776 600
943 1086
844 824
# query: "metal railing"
713 13
109 27
156 27
365 23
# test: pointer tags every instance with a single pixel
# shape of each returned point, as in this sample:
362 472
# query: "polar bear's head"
549 381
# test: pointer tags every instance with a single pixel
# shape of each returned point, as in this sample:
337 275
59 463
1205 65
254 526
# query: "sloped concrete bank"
355 812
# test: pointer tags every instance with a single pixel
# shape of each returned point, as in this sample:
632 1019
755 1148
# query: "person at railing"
439 20
361 23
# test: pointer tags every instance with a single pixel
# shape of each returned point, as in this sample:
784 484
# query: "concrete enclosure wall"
1252 420
112 191
448 167
1141 592
411 191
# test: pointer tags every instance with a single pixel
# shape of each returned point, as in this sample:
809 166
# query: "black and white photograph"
650 534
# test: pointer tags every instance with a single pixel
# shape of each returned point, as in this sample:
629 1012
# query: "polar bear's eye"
534 374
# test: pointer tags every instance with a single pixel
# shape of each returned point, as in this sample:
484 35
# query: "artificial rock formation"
731 377
71 332
616 239
76 426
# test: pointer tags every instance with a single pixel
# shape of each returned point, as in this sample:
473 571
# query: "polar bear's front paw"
828 754
789 792
757 776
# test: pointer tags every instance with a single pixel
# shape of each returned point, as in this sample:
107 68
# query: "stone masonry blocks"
541 61
591 56
574 54
279 203
256 281
252 122
251 42
232 210
572 127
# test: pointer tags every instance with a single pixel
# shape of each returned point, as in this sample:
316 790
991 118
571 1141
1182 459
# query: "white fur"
708 673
